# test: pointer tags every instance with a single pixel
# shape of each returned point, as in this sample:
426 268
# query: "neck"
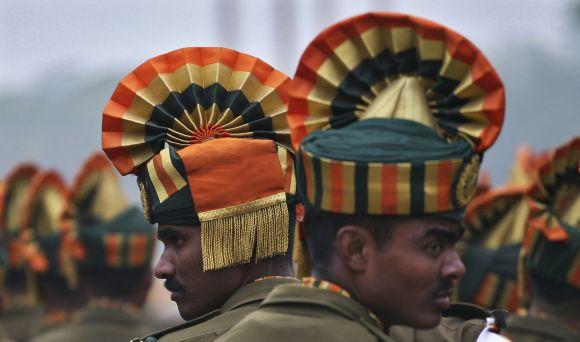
107 303
266 269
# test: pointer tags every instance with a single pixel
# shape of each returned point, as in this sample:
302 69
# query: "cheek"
405 271
189 263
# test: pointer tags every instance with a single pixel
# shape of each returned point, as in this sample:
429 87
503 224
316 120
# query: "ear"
353 246
299 213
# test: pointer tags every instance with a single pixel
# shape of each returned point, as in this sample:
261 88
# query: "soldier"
551 253
495 222
204 130
54 273
391 115
3 264
22 314
113 246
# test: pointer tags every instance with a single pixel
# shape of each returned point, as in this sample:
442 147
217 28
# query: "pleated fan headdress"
495 223
391 115
205 130
3 249
12 197
107 231
42 232
551 248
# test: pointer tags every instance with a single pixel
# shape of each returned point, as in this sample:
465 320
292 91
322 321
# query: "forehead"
418 227
165 229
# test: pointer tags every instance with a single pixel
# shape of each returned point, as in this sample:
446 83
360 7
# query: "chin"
426 322
186 312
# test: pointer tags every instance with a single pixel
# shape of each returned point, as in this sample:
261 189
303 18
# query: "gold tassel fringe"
300 256
231 240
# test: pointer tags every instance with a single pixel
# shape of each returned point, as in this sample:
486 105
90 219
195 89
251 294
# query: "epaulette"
467 311
156 336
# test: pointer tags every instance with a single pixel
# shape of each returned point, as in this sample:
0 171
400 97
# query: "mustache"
445 285
174 286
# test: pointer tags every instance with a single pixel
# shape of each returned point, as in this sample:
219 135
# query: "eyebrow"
452 235
166 232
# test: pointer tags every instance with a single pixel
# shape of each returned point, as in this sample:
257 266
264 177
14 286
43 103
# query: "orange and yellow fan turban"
42 232
498 217
205 130
495 223
106 232
551 248
11 205
3 249
524 170
391 114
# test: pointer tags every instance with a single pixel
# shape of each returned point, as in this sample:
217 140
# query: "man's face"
408 280
194 291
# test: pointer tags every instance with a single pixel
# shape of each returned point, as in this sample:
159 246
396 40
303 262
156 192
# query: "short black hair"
114 284
322 227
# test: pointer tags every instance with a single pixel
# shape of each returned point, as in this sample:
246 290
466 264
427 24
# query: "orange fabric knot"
73 246
35 258
15 252
207 133
550 228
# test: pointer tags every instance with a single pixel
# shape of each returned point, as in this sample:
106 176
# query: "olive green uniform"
96 324
20 321
297 313
450 329
531 329
463 322
211 325
4 336
318 314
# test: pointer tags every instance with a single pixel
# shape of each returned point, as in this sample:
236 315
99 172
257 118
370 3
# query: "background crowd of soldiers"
78 258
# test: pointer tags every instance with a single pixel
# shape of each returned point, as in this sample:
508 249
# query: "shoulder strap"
156 336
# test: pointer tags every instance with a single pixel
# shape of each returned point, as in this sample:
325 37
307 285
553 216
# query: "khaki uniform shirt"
465 322
527 328
298 313
209 326
4 336
19 322
450 329
96 324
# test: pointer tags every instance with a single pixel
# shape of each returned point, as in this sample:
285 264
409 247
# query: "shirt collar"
326 285
255 291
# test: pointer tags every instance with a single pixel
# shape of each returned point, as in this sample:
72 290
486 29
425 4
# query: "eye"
178 241
173 240
435 248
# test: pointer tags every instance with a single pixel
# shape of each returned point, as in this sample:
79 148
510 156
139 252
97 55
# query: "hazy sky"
47 48
89 36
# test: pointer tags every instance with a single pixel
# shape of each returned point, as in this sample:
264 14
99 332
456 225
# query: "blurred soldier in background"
3 265
113 246
387 162
205 131
550 263
22 314
496 222
55 280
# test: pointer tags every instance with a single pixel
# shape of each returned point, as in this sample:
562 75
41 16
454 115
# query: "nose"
164 268
453 268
